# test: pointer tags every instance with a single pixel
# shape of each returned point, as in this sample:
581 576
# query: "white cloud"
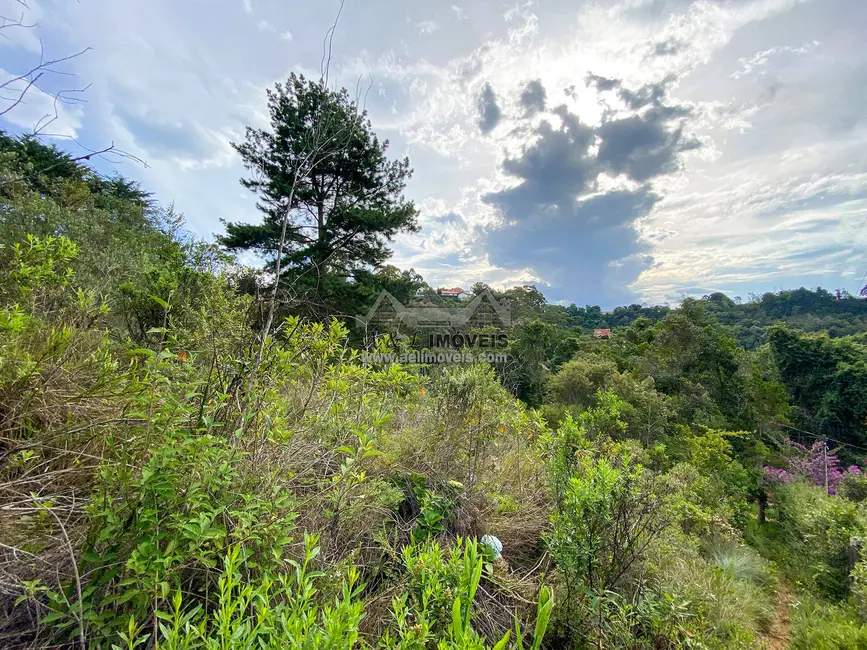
20 25
28 107
426 27
761 59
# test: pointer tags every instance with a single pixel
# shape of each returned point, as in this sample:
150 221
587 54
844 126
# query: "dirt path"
778 636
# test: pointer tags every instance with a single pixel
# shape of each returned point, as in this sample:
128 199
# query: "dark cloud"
647 95
533 97
559 166
601 83
553 222
589 251
667 48
554 169
489 110
644 96
651 98
642 147
450 218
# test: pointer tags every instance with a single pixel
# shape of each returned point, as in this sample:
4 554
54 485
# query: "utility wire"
818 437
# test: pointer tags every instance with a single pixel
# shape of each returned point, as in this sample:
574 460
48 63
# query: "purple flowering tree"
778 475
810 465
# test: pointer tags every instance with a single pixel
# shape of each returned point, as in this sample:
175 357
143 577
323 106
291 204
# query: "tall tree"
331 199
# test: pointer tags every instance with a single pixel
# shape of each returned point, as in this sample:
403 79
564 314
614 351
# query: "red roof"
450 292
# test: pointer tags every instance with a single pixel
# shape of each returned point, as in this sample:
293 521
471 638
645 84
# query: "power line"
818 437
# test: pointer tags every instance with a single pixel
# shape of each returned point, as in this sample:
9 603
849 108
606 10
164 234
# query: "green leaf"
546 604
502 642
519 640
53 616
457 626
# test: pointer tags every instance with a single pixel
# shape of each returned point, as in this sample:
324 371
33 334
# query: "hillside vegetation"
172 478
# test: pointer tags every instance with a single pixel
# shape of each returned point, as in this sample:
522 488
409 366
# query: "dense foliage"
665 487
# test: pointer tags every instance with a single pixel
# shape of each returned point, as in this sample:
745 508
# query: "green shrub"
439 602
858 597
854 488
609 507
287 609
608 511
169 528
819 626
819 530
276 611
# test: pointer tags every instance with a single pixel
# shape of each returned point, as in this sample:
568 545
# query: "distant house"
602 333
457 292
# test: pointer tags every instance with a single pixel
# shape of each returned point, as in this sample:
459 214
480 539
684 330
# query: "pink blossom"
777 475
815 465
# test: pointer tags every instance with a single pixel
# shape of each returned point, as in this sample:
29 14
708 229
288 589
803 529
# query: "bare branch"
32 78
14 92
20 98
80 614
327 46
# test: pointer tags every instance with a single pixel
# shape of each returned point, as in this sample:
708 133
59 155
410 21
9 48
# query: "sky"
609 152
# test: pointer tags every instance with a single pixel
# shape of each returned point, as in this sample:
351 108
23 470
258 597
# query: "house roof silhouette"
389 308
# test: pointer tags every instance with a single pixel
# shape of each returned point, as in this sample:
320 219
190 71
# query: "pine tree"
330 197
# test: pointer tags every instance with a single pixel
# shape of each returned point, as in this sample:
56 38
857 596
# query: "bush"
819 530
287 610
275 611
819 626
609 510
854 487
858 578
578 385
170 528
